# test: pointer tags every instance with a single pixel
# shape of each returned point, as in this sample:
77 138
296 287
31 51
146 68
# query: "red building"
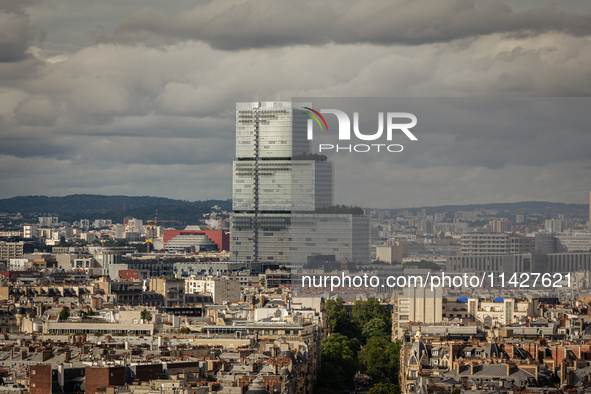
219 237
40 379
103 377
129 274
13 275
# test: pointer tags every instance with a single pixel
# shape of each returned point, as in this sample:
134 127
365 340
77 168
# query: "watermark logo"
392 124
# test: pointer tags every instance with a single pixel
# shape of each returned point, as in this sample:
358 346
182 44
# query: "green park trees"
64 314
145 315
360 341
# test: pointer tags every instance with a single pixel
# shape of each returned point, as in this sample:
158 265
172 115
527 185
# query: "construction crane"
152 224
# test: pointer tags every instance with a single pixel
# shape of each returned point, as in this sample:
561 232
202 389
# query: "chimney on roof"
562 372
45 354
510 367
569 377
451 356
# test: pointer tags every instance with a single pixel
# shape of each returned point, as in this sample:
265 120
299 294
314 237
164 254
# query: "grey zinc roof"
267 369
466 330
581 376
230 390
492 371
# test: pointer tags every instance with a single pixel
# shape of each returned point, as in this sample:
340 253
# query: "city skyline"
354 196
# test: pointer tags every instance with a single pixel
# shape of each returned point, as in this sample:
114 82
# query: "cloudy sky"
137 97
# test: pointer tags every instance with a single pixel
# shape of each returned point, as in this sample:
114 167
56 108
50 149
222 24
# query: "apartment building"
14 250
221 289
474 244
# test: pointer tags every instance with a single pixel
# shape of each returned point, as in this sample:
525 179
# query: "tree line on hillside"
88 203
182 214
340 209
542 207
359 342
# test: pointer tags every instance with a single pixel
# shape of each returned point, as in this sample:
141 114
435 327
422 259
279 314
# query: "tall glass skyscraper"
278 187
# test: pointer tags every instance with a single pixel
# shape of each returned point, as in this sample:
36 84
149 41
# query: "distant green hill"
183 215
90 206
527 207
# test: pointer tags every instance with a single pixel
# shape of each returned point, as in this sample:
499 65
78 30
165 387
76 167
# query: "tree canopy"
338 319
339 361
334 311
376 327
145 315
64 314
342 357
384 388
380 360
365 311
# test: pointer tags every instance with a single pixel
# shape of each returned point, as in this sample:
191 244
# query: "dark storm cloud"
154 119
127 150
37 145
16 30
233 25
489 133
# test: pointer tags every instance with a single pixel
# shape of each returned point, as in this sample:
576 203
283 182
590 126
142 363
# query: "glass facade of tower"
283 185
277 187
270 130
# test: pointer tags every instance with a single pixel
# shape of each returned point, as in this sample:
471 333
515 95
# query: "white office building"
221 289
48 221
30 231
574 242
476 244
278 188
554 226
283 185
